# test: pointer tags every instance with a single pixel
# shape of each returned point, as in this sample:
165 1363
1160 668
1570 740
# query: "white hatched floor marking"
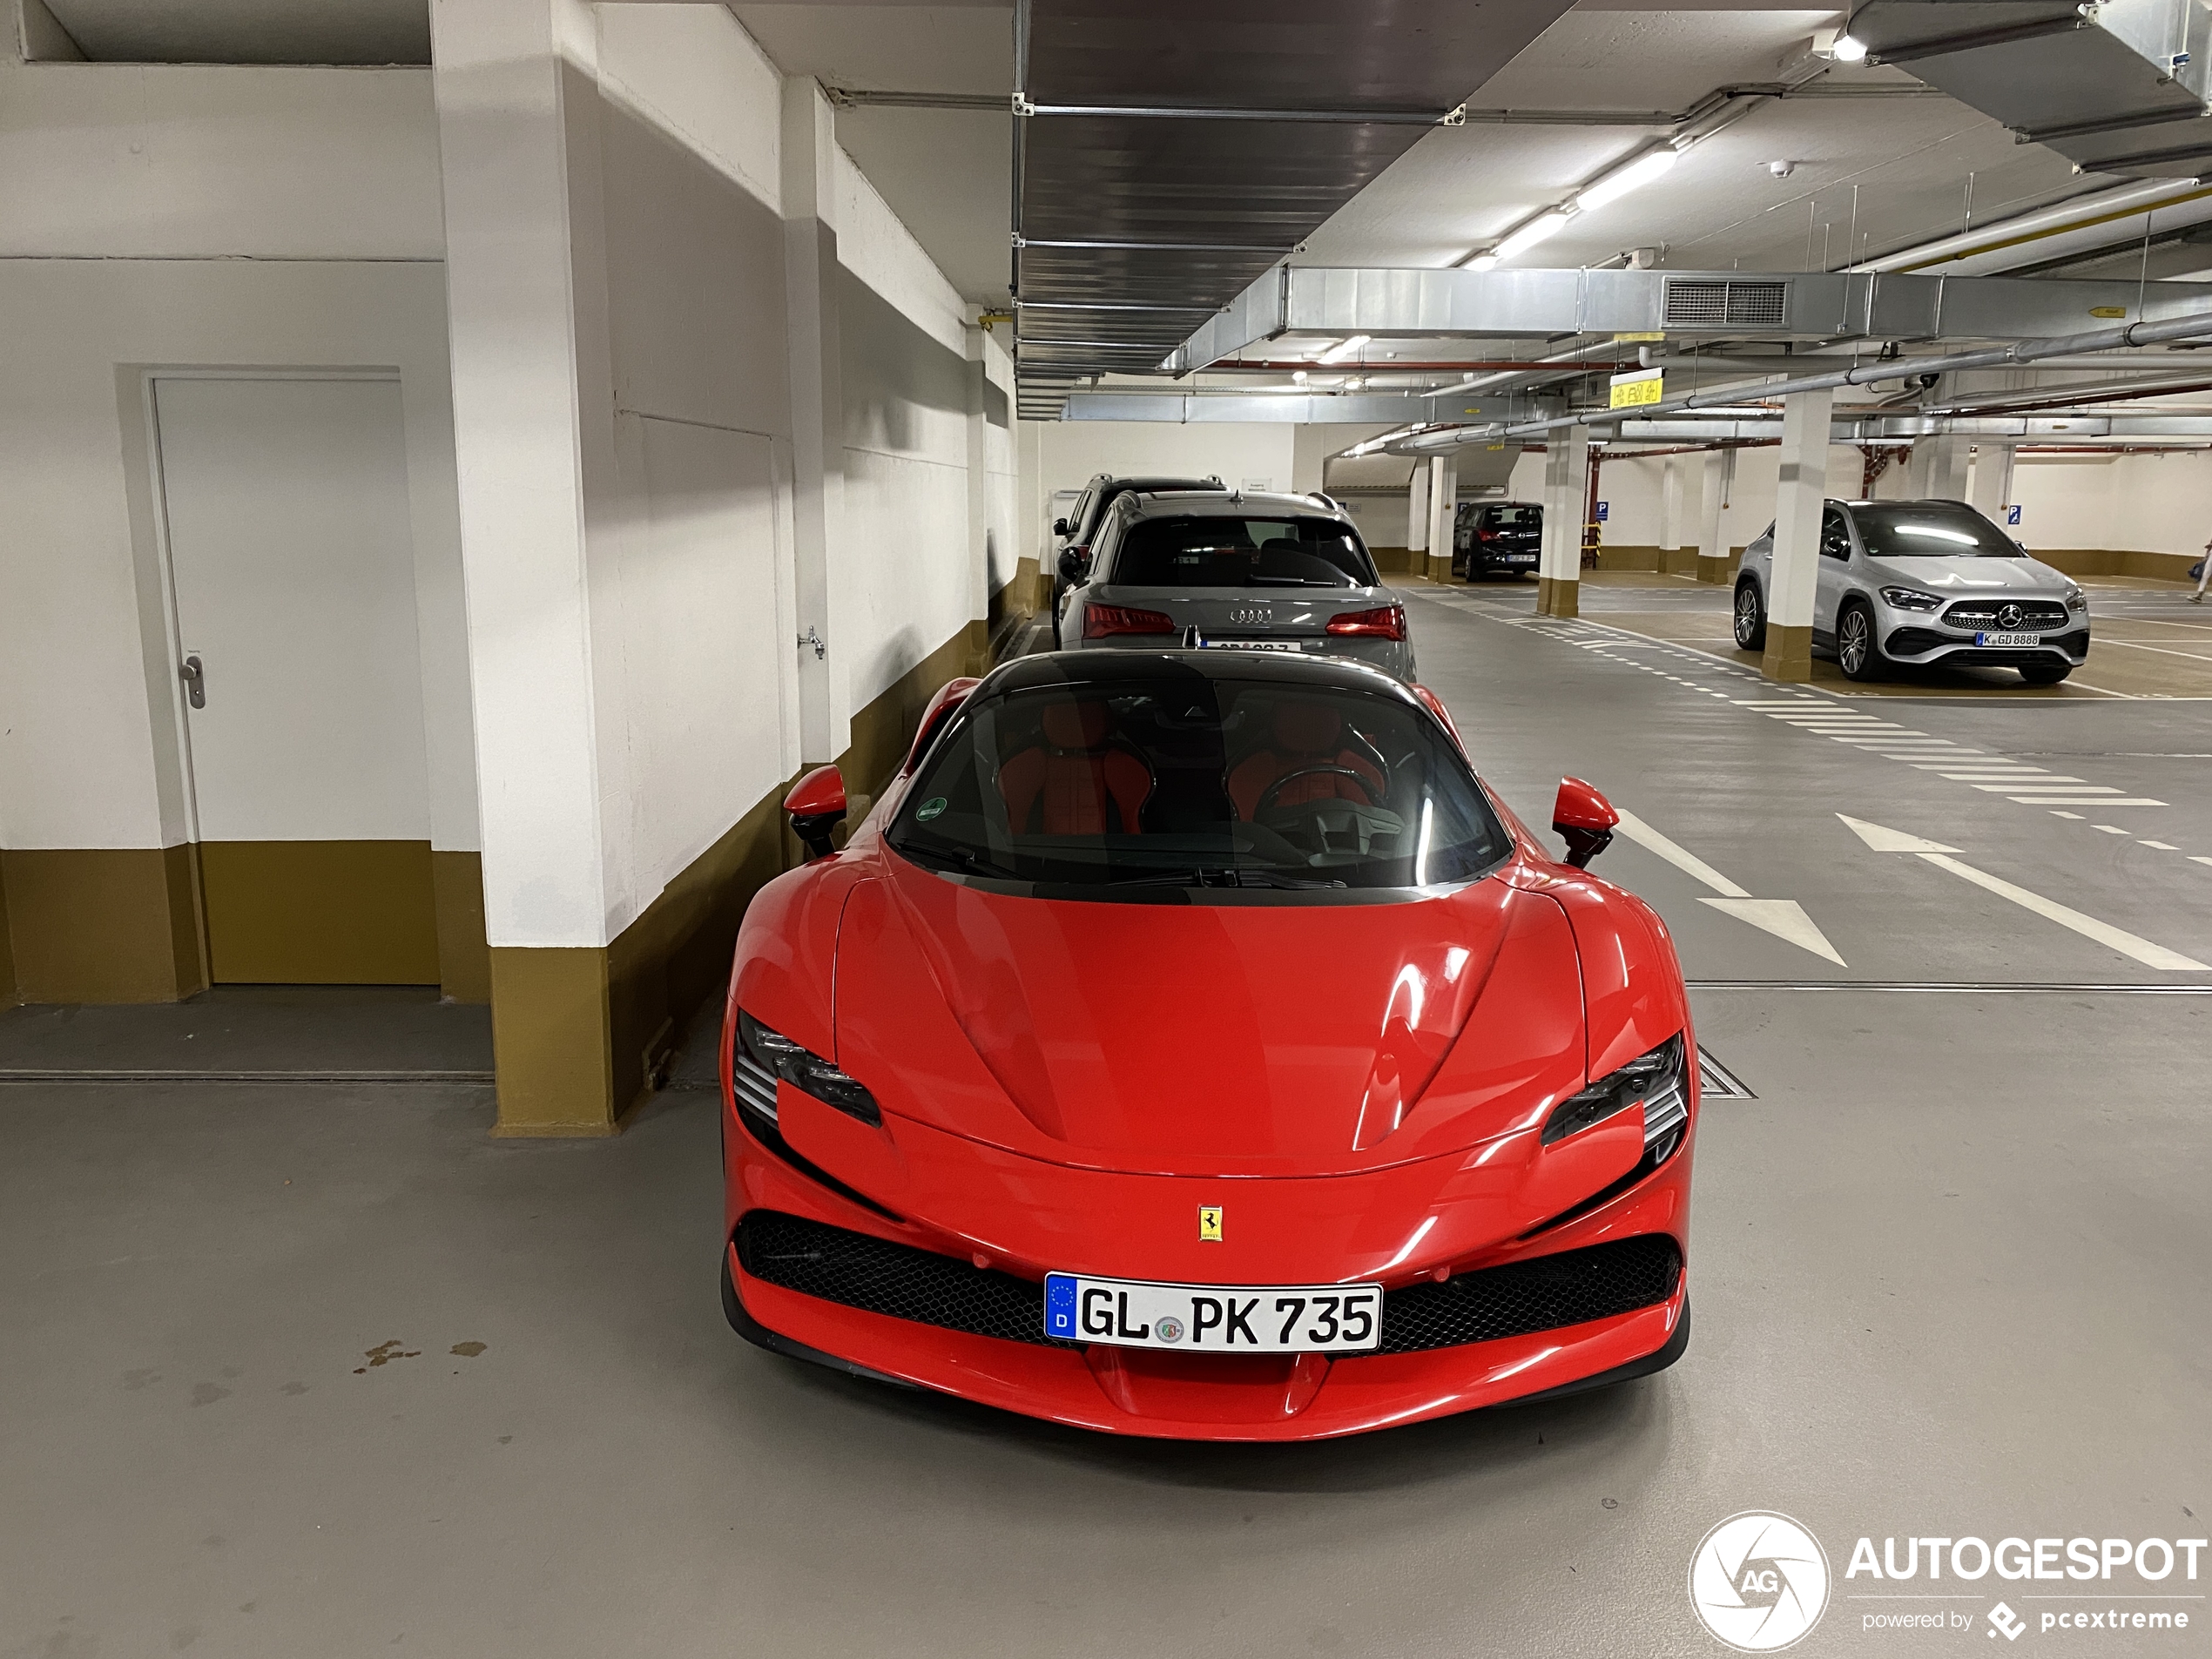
1827 717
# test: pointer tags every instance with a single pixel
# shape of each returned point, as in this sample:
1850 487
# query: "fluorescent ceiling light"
1634 176
1848 48
1337 353
1299 374
1482 262
1537 230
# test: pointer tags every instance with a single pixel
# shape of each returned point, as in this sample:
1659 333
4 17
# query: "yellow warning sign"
2108 311
1631 339
1638 387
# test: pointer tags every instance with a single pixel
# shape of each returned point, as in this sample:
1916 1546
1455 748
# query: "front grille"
1711 302
1544 1293
2034 614
857 1271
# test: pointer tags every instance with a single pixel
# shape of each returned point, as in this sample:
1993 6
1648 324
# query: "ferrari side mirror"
1584 819
816 802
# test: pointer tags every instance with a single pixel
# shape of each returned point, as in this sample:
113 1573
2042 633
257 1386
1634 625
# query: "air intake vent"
1708 302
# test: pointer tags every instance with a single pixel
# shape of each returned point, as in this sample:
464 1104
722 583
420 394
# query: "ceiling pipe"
1896 368
2077 213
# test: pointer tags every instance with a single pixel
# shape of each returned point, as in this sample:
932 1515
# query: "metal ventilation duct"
1428 304
1168 153
2116 86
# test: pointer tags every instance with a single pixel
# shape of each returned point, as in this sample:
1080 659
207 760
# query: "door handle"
195 679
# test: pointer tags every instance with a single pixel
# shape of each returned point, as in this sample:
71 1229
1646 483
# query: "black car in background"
1496 538
1083 519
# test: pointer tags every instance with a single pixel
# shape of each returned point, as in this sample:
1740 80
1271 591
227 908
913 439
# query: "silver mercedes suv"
1234 571
1924 582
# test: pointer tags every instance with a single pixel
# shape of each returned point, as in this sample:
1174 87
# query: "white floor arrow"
1784 918
1935 853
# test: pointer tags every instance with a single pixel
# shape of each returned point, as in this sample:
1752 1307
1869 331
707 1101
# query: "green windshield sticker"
930 809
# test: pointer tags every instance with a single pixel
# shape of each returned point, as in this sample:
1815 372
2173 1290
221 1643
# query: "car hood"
1209 1037
1959 578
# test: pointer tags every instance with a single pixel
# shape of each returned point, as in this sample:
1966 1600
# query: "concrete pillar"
1417 511
979 506
534 437
1992 485
1559 585
811 291
1443 504
1672 531
1712 552
1936 470
1799 495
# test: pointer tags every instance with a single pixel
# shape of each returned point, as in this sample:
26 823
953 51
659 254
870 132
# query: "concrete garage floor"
1950 1272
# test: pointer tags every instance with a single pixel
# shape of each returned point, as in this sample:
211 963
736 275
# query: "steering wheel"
1267 796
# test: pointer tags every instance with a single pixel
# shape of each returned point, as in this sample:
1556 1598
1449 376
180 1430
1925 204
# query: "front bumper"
963 1270
1918 643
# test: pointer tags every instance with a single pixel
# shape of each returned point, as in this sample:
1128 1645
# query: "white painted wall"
905 345
1069 452
173 161
89 754
195 216
2136 503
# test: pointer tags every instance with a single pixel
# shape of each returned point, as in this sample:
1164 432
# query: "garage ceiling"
1191 210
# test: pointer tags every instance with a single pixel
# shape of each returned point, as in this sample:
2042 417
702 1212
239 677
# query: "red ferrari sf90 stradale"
1190 1045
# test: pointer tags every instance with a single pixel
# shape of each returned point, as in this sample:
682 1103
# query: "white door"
293 566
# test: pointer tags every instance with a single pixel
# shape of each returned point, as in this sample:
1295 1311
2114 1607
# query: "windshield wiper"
1290 582
1229 877
965 857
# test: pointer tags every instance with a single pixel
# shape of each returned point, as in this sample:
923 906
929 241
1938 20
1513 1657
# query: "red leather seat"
1303 734
1076 782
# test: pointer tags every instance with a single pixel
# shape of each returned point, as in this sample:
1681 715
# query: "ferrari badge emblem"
1210 1223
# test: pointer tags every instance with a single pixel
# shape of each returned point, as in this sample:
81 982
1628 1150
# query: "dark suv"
1496 538
1083 521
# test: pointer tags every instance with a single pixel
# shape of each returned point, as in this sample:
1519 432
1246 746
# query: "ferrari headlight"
1911 598
808 1071
1658 1080
2076 599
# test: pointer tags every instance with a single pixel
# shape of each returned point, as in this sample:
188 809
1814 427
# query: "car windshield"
1502 516
1931 529
1216 550
1182 781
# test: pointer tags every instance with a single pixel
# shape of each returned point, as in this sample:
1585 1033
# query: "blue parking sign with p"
2011 516
1604 511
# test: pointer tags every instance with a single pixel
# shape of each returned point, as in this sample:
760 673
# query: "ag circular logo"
1759 1582
1168 1330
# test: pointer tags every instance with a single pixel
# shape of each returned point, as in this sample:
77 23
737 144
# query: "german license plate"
1213 1318
1206 644
2008 639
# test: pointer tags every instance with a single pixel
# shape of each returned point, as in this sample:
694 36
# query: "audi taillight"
1100 621
1383 621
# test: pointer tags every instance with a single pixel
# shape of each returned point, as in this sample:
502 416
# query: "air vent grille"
1721 302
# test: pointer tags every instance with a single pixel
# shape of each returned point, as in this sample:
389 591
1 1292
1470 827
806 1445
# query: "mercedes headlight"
808 1071
1911 598
1659 1081
2076 599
